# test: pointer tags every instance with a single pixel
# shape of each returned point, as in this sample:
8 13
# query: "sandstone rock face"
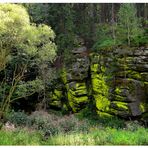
74 78
116 80
121 87
131 80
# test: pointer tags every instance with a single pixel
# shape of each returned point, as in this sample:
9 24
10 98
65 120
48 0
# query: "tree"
22 46
128 24
104 37
113 23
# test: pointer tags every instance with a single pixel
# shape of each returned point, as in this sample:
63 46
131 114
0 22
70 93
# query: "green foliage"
23 45
12 25
141 40
45 122
88 113
133 125
11 30
96 136
18 118
27 88
35 41
70 130
107 43
102 136
113 122
20 137
127 30
94 120
104 38
129 25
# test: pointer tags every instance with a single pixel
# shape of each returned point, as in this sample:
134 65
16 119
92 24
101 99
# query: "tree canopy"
23 46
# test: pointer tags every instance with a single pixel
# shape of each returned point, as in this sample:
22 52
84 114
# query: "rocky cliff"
116 81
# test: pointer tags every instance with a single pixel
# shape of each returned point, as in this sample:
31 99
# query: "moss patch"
100 89
120 105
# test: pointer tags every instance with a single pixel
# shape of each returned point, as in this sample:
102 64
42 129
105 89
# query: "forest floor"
66 132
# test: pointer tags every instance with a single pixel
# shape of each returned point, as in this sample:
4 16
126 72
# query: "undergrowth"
42 128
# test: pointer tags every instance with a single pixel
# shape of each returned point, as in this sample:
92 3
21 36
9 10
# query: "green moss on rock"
94 68
55 98
120 105
142 107
75 102
117 90
104 114
64 75
100 89
102 103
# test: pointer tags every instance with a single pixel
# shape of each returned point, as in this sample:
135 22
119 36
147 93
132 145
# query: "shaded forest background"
88 24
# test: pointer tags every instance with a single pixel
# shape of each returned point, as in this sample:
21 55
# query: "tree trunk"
145 11
113 23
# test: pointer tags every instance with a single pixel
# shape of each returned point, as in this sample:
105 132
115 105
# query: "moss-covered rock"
100 89
117 81
74 77
77 95
55 98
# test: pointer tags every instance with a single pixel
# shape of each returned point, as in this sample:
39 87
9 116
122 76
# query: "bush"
113 122
72 124
54 124
17 118
93 119
133 125
41 120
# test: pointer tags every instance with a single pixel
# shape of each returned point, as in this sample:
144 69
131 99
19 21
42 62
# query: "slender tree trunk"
145 11
113 23
128 36
128 32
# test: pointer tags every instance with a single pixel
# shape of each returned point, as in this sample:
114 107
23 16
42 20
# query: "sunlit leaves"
22 43
17 32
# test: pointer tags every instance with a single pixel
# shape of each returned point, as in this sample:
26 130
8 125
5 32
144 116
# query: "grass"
106 136
19 137
71 130
96 136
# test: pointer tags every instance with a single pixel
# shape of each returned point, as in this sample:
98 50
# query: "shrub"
113 122
133 125
72 124
93 119
18 118
88 113
53 124
41 120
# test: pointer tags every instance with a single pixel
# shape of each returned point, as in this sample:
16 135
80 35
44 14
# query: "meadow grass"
107 136
96 136
19 137
71 130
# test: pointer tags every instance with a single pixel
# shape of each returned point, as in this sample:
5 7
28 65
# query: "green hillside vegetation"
74 74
